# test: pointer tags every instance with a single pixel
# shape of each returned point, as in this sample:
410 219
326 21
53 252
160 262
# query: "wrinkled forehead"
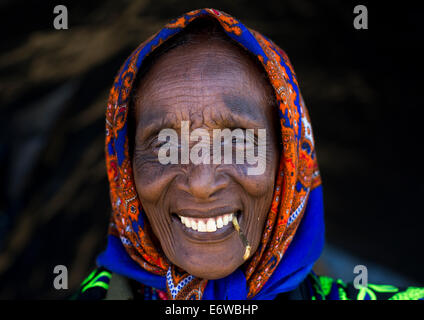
209 79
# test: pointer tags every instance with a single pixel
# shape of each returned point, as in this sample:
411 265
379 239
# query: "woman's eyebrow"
243 108
152 123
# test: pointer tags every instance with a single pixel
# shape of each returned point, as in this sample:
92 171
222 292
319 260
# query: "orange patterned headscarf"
298 170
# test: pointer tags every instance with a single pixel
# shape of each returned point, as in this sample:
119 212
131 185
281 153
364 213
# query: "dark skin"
214 85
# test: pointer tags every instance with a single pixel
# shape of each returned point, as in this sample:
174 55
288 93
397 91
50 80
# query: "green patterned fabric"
326 288
97 284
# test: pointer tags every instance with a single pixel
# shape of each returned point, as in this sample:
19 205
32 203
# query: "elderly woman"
189 223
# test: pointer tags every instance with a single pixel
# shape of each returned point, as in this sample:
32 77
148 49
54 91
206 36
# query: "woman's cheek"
152 178
255 185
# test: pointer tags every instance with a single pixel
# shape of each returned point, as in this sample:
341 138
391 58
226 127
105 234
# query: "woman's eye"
242 141
156 144
239 140
159 144
245 140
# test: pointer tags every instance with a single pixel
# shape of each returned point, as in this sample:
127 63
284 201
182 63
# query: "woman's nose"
203 182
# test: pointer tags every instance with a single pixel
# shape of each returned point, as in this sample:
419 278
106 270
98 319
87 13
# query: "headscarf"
293 235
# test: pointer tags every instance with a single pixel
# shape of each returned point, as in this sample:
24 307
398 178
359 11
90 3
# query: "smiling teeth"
207 225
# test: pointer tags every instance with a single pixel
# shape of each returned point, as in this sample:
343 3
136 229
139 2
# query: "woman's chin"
211 272
209 260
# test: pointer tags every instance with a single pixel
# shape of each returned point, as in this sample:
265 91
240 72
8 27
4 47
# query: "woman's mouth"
207 224
208 229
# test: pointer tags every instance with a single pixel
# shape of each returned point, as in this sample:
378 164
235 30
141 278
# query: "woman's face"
213 85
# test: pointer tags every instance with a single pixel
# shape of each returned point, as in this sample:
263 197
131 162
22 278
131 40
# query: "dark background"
363 89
